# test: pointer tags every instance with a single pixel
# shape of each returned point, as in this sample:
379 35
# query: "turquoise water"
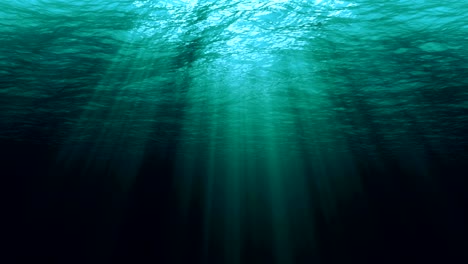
236 131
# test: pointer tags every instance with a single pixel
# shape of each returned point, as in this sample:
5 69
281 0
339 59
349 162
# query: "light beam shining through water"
237 131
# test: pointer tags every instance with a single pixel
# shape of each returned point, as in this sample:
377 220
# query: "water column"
241 153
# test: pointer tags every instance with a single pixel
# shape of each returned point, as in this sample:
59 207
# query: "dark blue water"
234 131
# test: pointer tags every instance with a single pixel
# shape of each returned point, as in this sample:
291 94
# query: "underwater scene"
232 132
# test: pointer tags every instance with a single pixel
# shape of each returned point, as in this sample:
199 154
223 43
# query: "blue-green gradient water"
249 131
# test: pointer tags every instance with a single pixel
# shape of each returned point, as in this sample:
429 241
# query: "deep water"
234 131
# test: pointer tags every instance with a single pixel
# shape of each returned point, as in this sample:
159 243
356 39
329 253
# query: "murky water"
236 131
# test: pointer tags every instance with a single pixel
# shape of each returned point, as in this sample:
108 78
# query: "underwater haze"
201 131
